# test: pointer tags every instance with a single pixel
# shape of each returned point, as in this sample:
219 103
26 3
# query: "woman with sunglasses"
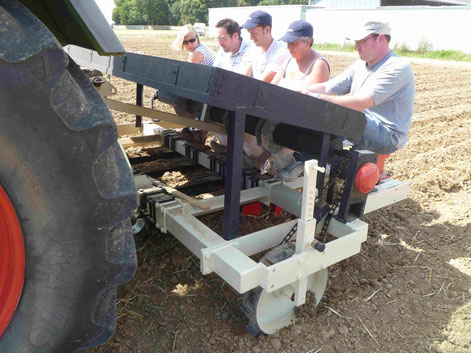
199 54
188 39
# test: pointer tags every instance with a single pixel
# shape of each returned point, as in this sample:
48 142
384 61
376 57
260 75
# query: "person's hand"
309 93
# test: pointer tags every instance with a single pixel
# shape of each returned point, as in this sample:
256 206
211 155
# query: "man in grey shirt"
380 84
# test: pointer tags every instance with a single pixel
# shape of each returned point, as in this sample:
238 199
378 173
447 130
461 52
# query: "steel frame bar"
235 146
139 100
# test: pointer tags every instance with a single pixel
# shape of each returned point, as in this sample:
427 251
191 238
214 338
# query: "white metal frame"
230 259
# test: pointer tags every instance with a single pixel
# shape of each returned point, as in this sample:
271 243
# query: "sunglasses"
192 40
223 38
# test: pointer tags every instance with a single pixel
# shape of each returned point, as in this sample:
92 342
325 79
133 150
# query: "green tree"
283 2
126 13
153 12
247 2
115 16
192 11
174 12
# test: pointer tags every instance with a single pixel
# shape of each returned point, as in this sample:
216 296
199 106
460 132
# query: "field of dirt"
409 290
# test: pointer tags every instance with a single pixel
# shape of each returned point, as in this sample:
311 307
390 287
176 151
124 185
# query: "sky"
106 6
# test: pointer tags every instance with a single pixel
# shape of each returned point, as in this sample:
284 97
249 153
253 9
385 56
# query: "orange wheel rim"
12 261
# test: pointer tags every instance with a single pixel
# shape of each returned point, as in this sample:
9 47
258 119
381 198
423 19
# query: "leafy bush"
402 48
424 46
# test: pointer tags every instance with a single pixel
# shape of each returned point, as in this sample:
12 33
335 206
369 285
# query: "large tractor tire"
66 193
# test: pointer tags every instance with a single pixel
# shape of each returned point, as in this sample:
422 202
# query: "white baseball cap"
371 27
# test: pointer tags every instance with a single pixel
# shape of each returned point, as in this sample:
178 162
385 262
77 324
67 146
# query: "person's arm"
276 80
245 66
280 73
319 73
315 89
195 57
270 72
218 59
357 102
247 70
268 76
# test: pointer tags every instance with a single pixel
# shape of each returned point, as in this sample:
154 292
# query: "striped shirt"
239 62
208 54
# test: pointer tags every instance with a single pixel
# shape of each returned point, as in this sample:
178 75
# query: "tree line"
179 12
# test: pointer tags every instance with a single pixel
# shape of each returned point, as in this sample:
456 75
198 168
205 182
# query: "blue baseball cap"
296 30
257 18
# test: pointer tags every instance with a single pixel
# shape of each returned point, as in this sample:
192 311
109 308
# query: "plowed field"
409 290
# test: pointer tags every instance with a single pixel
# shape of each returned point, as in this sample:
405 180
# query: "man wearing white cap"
380 84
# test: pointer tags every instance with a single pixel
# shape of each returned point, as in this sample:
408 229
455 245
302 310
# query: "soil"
409 290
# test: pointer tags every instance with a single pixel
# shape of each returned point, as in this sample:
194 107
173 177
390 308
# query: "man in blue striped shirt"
234 52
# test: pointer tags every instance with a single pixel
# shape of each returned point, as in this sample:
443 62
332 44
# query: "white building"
441 27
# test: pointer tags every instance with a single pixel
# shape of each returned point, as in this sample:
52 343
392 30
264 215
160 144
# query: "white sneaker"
292 171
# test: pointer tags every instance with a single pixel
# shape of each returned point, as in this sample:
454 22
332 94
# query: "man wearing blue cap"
380 84
304 67
270 53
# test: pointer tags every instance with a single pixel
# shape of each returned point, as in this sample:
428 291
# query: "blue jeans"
376 138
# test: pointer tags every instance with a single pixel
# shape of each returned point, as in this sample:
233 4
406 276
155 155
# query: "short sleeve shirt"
390 82
271 60
208 54
237 62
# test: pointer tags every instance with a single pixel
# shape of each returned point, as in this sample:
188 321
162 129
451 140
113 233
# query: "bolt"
319 246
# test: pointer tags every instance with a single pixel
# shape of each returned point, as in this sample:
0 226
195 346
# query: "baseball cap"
371 27
296 30
257 18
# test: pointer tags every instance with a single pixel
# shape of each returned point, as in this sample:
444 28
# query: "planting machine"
339 186
67 190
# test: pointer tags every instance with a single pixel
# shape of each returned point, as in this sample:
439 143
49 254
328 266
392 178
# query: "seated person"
303 68
188 39
380 84
199 53
269 53
234 55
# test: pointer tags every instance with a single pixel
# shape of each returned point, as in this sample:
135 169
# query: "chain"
290 234
333 206
335 172
335 203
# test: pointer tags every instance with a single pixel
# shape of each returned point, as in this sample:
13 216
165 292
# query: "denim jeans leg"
376 138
